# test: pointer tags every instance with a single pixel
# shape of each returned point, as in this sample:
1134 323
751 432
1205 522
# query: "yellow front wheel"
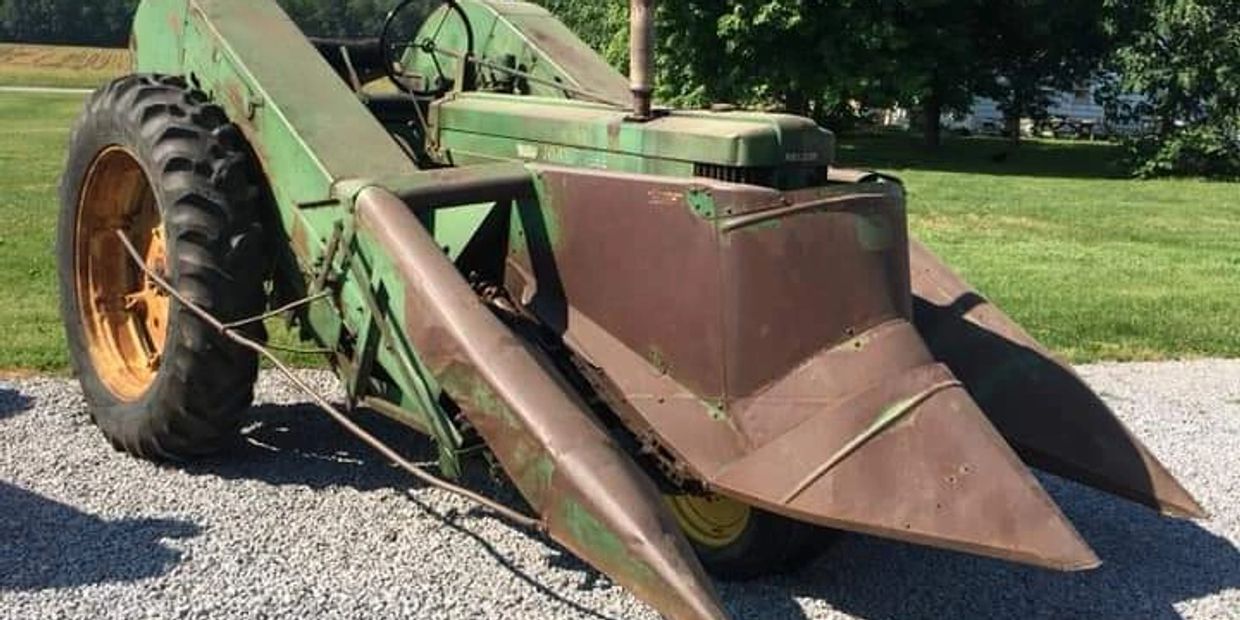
736 541
712 521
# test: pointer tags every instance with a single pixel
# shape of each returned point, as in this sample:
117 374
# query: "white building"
1075 113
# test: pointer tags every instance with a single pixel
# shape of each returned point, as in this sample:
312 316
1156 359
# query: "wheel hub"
124 313
712 521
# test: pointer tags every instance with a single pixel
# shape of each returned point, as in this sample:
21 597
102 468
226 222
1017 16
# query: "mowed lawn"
1098 267
60 66
33 134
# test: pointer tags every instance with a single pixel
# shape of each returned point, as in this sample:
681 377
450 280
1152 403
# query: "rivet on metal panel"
700 200
716 410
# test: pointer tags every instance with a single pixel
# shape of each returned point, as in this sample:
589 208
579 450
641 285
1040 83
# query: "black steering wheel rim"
389 63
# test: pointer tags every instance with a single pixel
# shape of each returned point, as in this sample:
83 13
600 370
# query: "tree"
1182 57
822 58
1033 48
100 22
928 59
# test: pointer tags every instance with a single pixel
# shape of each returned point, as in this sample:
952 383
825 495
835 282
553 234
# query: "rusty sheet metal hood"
768 347
593 498
1039 404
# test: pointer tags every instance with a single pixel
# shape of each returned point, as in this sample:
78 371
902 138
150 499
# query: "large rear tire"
152 158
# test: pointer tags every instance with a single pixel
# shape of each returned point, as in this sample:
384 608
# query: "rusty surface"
448 187
594 499
775 358
641 56
1039 404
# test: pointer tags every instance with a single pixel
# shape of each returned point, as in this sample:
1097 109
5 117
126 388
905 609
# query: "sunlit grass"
1098 266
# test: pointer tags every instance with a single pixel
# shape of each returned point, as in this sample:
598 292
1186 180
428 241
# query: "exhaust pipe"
641 57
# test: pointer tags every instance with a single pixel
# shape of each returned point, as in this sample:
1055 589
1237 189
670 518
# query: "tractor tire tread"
206 182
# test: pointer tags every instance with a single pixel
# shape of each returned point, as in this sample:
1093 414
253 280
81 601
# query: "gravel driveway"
303 522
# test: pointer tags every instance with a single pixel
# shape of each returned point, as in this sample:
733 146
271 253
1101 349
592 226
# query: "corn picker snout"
693 342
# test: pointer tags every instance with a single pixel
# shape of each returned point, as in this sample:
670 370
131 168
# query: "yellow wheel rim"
712 521
124 314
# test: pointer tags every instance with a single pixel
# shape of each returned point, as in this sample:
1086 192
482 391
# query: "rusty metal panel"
635 259
818 399
1053 419
808 280
593 498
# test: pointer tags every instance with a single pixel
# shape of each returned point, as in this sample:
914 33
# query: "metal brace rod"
349 425
305 301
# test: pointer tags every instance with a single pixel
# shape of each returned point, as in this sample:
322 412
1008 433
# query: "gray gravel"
301 521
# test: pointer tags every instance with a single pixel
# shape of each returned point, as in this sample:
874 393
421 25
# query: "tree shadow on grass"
47 545
13 402
983 156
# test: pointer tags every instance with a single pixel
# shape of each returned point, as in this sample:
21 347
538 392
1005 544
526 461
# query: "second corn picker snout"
694 343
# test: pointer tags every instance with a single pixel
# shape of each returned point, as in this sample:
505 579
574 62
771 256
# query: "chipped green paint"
658 359
463 384
537 470
701 202
588 532
716 409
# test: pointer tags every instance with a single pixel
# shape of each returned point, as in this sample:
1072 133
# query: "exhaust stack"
641 56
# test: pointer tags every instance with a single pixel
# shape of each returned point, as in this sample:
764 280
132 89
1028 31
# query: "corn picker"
694 344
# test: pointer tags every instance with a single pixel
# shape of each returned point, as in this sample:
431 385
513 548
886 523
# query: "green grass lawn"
35 132
1097 266
60 66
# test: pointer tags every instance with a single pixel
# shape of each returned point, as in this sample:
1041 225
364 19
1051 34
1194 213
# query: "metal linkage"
278 311
226 330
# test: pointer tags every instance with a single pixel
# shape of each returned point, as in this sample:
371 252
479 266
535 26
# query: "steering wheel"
395 67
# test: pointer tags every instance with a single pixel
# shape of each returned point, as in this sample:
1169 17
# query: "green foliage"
1183 57
106 22
601 23
338 18
828 58
1033 48
96 23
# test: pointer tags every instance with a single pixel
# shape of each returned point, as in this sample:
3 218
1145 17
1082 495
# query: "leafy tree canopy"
1183 58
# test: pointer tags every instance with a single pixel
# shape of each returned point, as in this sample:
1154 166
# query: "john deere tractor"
693 341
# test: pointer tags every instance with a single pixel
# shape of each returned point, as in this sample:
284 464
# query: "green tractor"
693 342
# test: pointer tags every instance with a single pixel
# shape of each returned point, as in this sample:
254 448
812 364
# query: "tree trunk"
932 110
1011 123
1014 112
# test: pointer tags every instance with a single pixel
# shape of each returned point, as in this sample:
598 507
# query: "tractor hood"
774 150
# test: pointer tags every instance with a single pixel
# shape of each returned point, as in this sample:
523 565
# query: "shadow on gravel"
1150 564
46 545
13 402
299 445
